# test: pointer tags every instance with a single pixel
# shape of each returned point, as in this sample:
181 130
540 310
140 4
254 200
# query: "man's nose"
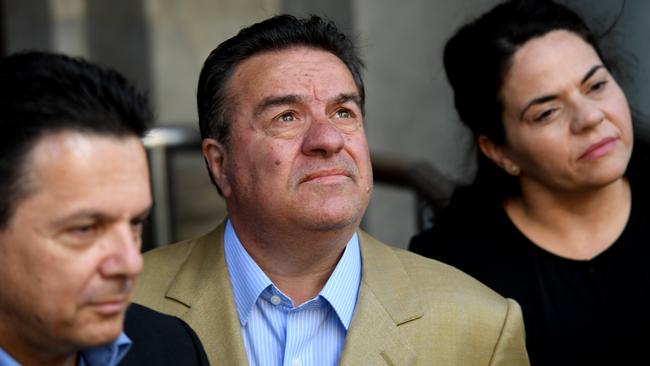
124 257
322 138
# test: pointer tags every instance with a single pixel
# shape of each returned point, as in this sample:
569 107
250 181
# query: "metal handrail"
159 142
432 189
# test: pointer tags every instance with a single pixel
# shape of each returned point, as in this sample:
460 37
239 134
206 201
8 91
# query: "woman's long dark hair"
479 55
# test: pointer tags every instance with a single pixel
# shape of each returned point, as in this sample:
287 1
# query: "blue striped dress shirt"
107 355
278 334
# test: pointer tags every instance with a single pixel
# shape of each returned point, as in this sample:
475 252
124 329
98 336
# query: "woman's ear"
498 155
216 156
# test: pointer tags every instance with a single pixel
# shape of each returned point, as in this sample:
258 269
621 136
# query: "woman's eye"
598 86
545 115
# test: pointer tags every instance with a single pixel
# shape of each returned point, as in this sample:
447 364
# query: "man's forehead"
65 192
55 147
60 144
293 71
72 165
51 147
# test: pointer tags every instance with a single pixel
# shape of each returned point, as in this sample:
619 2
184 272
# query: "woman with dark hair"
558 215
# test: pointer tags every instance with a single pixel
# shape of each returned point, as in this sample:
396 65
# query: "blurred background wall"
161 45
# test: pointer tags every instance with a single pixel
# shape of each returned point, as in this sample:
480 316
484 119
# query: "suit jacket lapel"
203 284
386 300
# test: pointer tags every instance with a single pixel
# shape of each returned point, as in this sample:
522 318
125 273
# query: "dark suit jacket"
160 339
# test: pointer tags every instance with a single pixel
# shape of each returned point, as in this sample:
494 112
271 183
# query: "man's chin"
330 210
101 330
328 222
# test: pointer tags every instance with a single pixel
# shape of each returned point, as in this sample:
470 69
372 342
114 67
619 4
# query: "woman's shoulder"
470 220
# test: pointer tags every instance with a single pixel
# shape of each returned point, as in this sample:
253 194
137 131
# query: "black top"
576 312
160 339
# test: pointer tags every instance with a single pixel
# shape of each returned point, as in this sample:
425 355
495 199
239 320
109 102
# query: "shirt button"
296 362
275 300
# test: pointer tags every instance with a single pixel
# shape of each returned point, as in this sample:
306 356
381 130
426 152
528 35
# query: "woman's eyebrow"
591 72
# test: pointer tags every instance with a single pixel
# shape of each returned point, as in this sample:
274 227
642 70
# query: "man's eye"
343 113
138 224
83 229
287 117
81 234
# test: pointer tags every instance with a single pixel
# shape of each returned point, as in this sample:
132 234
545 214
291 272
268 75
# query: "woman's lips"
598 149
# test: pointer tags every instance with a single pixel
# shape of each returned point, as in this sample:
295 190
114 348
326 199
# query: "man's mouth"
110 306
326 176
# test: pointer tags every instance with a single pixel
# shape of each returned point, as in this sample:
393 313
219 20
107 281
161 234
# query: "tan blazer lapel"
373 338
203 284
386 300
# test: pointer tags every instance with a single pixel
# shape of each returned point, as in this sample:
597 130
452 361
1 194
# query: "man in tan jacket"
288 278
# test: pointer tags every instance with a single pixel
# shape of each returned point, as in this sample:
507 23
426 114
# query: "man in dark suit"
74 193
160 339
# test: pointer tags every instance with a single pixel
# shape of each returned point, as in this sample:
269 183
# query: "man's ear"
498 154
216 156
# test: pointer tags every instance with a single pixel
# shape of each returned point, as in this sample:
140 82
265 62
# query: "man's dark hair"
478 57
44 93
277 33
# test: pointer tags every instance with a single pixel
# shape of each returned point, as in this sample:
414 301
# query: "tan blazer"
411 310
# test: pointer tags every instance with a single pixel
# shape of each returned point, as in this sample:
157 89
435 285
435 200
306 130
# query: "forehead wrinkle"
304 79
289 99
560 90
273 101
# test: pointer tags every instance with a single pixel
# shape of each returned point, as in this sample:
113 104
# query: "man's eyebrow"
81 215
275 101
97 216
293 98
591 72
144 214
344 98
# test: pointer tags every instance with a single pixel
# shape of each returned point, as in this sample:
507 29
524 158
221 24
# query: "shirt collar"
107 355
6 360
342 288
247 278
249 281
